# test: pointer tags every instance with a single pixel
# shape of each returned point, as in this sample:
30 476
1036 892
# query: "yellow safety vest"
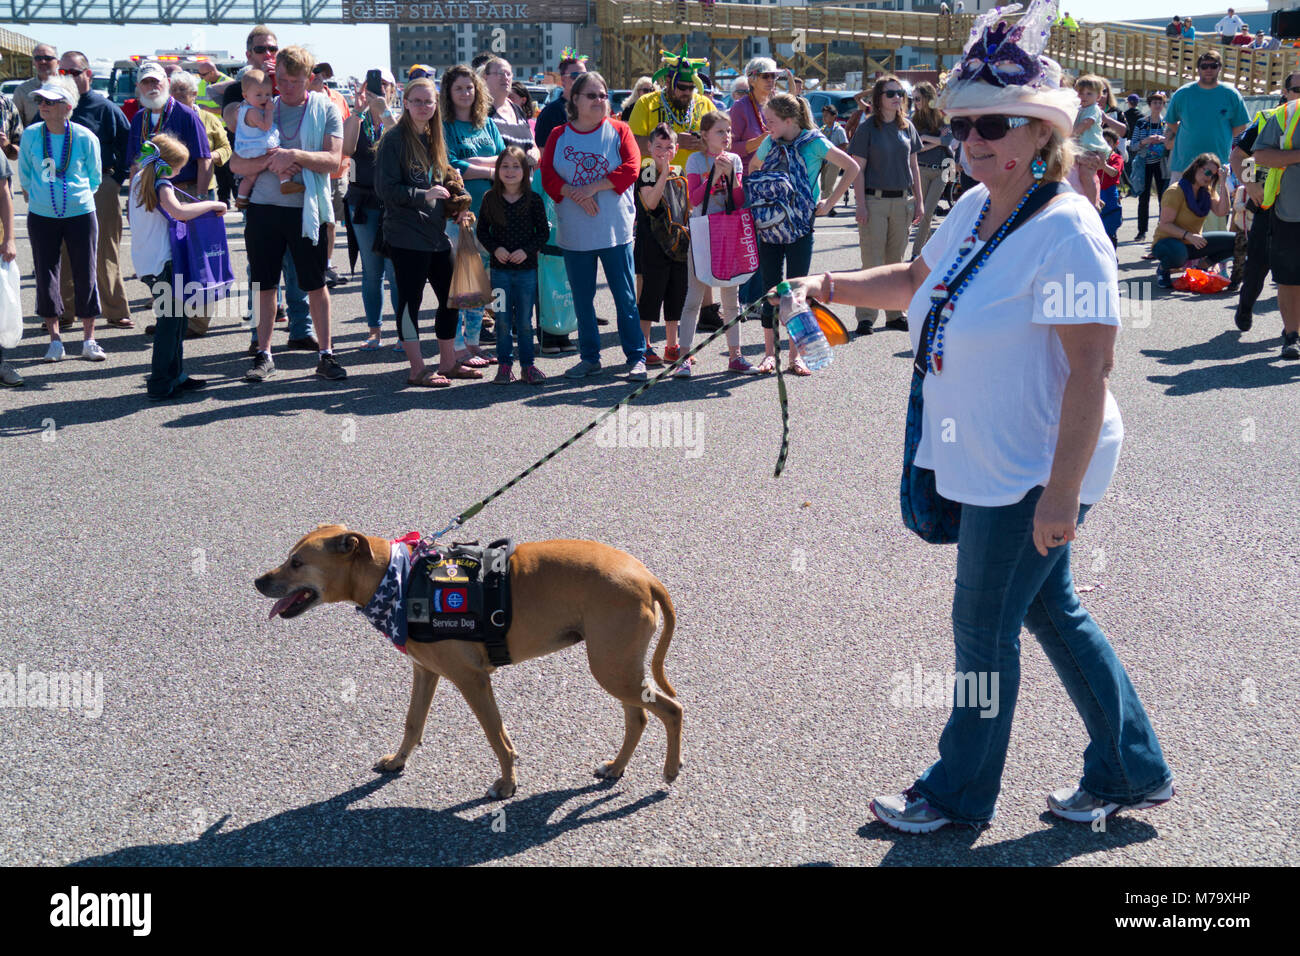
202 99
1287 117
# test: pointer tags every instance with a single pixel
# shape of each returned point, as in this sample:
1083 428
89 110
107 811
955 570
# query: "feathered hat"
1003 70
682 67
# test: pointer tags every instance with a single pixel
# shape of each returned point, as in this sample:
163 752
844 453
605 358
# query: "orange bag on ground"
1194 280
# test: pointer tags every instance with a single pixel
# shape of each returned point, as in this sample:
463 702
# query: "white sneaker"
637 372
91 351
55 352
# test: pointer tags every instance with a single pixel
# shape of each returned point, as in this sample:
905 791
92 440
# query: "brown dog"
563 592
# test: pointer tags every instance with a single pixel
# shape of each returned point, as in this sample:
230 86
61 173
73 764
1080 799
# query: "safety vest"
1287 117
203 99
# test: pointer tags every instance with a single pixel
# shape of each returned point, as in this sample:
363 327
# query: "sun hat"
1003 70
57 88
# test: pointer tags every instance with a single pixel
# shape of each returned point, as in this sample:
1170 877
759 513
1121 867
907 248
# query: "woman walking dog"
1040 437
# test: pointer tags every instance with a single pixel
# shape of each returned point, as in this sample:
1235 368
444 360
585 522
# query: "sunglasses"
72 72
990 127
893 94
1207 171
44 59
1208 66
598 96
572 75
684 87
266 48
1293 89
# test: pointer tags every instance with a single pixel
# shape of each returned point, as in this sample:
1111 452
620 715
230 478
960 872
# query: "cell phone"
374 83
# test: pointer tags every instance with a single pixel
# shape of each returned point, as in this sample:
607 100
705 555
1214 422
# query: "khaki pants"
883 240
830 176
112 293
932 183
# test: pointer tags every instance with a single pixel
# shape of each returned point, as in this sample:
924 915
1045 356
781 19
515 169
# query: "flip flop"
798 368
475 361
460 371
372 345
120 323
430 379
767 366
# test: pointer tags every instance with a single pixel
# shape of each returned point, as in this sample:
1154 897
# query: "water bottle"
804 330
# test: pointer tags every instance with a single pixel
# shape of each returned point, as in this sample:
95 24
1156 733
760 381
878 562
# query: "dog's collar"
387 609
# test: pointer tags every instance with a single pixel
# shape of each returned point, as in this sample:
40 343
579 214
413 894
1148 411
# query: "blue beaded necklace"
934 343
61 170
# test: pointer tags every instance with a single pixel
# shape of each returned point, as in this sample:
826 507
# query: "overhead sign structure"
531 11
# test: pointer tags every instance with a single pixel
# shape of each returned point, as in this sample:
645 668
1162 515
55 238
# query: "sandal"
461 371
431 378
372 345
120 323
475 361
767 366
797 367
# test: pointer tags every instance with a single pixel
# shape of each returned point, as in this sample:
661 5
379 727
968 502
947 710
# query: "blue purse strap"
1036 201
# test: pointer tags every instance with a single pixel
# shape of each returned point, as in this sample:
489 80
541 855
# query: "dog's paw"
606 771
389 764
670 773
503 789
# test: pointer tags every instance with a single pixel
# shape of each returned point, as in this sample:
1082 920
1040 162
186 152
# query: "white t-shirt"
992 416
151 246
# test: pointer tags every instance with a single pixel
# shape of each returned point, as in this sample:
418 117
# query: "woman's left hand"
580 194
1055 519
824 208
8 251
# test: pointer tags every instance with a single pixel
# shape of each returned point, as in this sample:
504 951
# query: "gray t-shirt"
6 170
1287 205
887 151
288 120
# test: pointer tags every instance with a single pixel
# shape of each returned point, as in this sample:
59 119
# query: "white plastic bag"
11 305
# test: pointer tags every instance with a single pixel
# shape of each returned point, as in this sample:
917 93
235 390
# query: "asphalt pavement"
133 532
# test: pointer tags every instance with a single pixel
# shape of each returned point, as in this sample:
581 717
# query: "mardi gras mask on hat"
681 68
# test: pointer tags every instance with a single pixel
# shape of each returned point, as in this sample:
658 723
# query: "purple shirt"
183 123
745 125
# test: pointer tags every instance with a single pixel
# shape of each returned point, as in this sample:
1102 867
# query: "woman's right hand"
433 194
501 255
1195 240
809 285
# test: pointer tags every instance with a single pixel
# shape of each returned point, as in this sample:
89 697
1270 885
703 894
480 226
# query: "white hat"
152 68
386 76
1003 70
58 88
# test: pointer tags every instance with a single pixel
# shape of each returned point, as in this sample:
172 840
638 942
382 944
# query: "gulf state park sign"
379 11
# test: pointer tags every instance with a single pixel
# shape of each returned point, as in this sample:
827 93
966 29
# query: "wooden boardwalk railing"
1133 57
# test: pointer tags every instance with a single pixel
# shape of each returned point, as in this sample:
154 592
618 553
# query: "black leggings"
47 235
1161 183
412 268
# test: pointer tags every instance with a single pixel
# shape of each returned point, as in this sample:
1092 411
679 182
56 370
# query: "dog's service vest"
445 592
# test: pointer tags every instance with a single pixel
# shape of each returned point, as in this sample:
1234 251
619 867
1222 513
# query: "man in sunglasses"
679 103
1204 117
1278 148
102 117
260 49
45 59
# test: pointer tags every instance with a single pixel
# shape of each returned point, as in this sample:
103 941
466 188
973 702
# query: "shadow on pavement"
1061 843
1259 372
329 833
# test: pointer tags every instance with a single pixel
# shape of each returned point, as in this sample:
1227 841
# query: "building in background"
530 47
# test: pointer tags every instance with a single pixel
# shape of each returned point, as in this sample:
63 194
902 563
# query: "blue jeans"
796 257
520 287
617 262
374 269
299 313
1001 582
1174 253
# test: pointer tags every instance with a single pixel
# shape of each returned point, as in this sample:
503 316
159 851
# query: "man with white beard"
159 113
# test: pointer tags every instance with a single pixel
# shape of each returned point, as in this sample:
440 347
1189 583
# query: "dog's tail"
660 594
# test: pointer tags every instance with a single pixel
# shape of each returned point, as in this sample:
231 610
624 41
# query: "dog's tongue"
283 604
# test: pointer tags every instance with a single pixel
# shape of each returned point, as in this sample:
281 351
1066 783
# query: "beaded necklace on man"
940 292
666 109
149 129
61 169
285 134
